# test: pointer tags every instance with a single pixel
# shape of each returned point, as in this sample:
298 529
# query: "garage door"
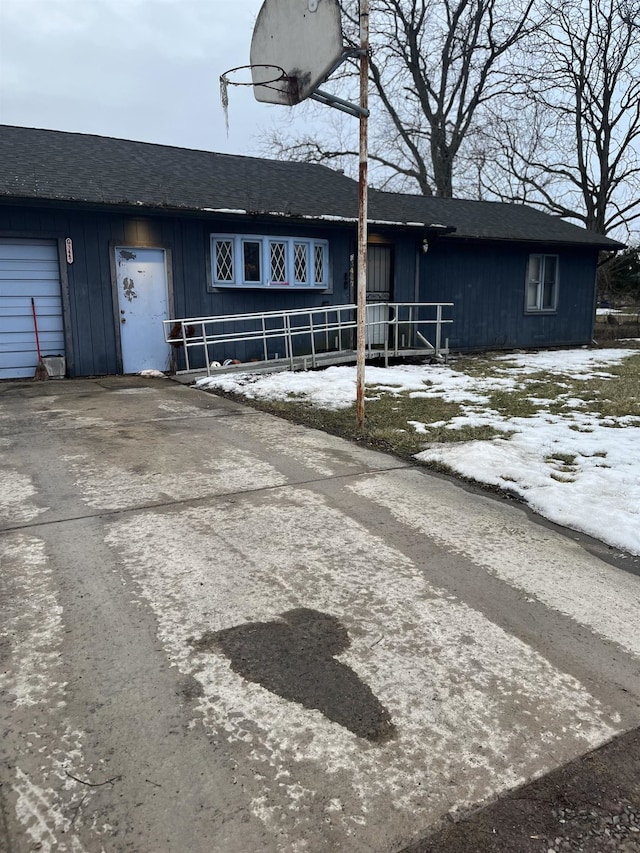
28 268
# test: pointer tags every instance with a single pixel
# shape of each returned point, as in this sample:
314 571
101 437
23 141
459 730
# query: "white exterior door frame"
142 297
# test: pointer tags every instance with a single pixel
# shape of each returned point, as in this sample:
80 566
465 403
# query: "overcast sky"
136 69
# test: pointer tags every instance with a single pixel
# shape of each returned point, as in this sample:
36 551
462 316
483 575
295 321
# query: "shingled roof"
72 167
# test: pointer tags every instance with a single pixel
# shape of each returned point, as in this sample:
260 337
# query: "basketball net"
279 75
224 100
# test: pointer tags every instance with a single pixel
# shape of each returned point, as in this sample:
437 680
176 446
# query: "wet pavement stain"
294 657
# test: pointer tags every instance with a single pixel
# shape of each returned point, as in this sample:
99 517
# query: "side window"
542 283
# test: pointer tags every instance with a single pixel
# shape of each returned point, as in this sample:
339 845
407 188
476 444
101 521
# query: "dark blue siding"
486 281
405 269
90 294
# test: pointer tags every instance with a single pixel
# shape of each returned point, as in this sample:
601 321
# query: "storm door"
379 292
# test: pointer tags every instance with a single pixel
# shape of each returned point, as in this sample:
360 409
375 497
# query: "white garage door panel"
28 268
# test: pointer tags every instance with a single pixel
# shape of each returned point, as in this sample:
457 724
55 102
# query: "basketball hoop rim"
280 77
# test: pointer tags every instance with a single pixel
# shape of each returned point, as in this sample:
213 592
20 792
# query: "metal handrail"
401 321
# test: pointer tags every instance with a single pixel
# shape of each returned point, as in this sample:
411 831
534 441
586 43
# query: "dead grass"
620 396
388 413
566 458
615 397
386 422
516 403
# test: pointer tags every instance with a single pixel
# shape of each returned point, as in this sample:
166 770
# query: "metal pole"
362 210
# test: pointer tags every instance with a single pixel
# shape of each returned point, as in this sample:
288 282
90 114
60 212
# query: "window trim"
238 241
215 239
539 308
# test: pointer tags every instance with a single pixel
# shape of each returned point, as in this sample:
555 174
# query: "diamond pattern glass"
318 265
259 261
278 263
300 263
224 260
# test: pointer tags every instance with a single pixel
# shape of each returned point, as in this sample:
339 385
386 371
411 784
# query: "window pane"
224 260
300 263
532 295
549 296
534 267
550 277
279 263
318 265
251 252
550 264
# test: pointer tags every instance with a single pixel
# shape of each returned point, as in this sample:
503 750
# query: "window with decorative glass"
542 283
249 260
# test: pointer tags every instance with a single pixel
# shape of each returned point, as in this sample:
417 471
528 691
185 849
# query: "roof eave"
602 244
232 213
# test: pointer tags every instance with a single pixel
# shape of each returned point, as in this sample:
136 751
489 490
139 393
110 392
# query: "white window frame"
214 272
243 242
539 283
266 241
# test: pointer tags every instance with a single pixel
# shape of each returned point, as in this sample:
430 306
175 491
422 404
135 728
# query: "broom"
41 371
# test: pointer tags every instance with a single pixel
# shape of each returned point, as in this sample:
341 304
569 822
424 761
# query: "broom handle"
35 326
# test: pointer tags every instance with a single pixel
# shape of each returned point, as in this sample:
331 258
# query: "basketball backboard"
301 37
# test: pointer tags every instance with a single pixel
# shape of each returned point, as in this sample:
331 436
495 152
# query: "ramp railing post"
184 344
206 349
264 338
288 340
396 328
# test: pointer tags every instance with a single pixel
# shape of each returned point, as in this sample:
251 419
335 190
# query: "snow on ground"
576 468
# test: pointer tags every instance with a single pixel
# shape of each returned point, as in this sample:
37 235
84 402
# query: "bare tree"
572 143
619 276
435 64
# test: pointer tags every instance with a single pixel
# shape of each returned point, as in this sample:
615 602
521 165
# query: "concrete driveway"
225 632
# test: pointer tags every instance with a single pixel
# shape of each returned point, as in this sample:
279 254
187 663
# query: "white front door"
143 303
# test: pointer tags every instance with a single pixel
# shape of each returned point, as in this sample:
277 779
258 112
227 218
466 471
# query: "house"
91 225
